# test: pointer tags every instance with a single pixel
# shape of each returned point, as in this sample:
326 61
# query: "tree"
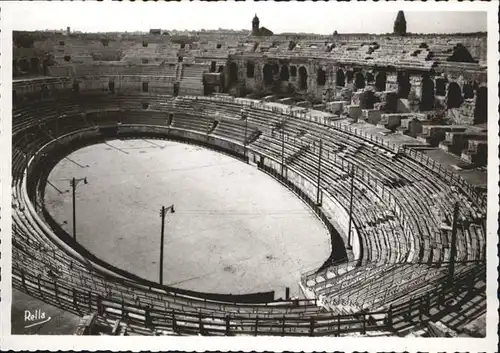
400 24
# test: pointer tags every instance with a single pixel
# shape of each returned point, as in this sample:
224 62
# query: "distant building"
259 31
155 32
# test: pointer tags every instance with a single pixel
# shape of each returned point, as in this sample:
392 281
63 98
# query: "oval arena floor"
234 230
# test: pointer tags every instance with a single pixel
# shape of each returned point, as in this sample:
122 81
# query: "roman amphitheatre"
250 183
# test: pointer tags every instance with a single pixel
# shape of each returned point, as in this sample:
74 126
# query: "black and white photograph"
250 170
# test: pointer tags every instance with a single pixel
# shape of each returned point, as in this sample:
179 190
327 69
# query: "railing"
72 298
83 302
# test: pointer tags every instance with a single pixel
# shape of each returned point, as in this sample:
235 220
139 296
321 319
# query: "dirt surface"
234 230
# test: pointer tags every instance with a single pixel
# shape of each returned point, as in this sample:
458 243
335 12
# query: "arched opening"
284 75
24 66
293 71
369 78
481 108
302 78
349 76
44 91
213 66
276 69
427 96
440 87
45 65
454 97
359 82
233 73
404 85
321 79
340 78
15 70
250 69
221 68
267 72
34 65
381 81
468 91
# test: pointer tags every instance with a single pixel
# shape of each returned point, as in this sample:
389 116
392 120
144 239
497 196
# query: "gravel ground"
234 230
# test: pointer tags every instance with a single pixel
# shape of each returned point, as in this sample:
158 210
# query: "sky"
310 17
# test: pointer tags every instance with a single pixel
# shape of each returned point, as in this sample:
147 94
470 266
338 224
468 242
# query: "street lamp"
74 183
245 116
164 210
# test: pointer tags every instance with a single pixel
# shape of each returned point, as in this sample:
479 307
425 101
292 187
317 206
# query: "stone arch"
276 68
293 71
233 73
481 107
381 81
45 66
321 79
404 85
359 81
24 65
44 91
284 74
349 76
340 78
267 72
369 77
250 69
427 95
468 91
454 97
440 86
302 78
34 65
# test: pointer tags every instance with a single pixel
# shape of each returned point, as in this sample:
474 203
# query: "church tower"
255 26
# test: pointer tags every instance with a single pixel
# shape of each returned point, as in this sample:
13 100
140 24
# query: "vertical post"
228 325
73 185
282 146
311 327
246 128
453 246
389 318
161 242
318 193
350 211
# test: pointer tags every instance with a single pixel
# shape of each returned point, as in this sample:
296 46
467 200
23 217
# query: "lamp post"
164 210
245 116
349 246
74 183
